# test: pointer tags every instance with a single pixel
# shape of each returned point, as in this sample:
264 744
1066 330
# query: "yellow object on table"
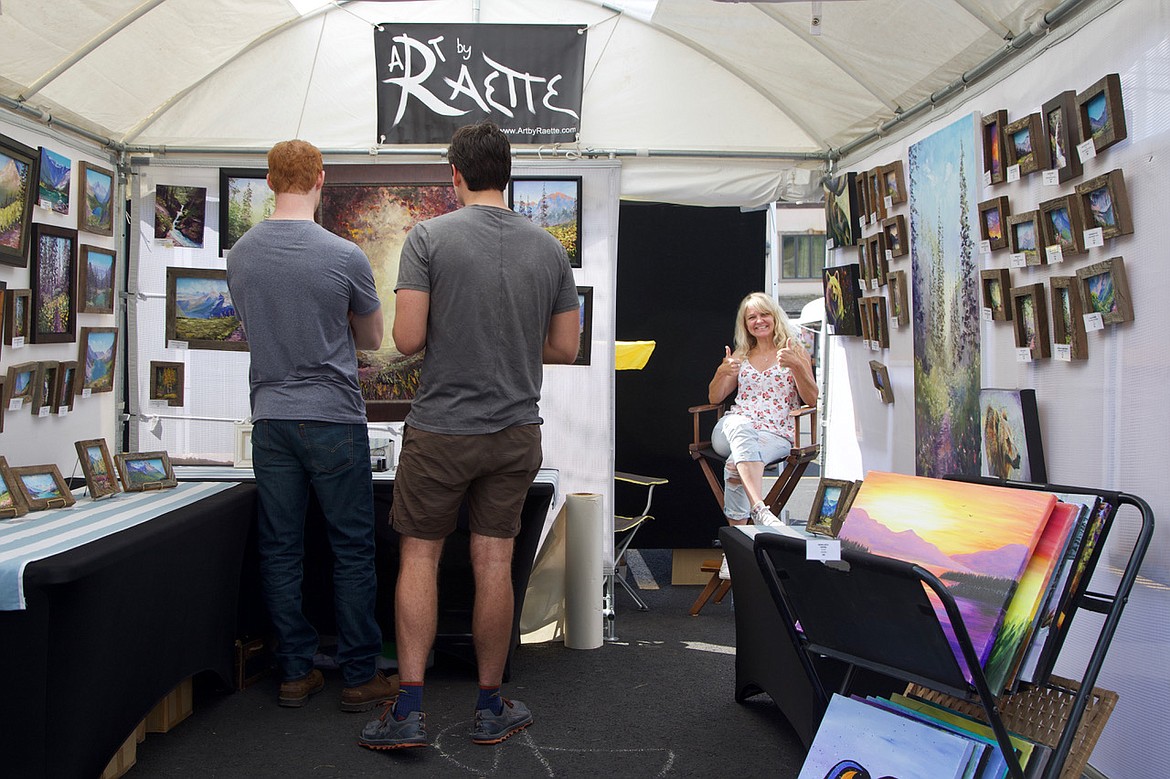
632 355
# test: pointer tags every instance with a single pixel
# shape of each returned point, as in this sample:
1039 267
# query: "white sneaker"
761 515
724 571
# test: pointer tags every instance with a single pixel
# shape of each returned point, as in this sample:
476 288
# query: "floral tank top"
766 398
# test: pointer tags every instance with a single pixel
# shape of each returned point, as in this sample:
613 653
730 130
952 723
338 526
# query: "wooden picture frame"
17 315
899 299
842 289
993 216
3 313
1104 289
863 197
996 285
994 150
42 487
191 320
865 318
897 239
12 502
830 505
1024 237
1030 320
558 212
1026 144
1105 203
96 187
53 280
893 181
66 386
1101 113
45 391
3 399
21 383
1061 224
585 319
879 374
245 200
842 210
865 269
180 216
879 266
97 359
18 193
877 198
101 475
167 381
1063 131
96 270
141 471
243 436
1068 321
879 321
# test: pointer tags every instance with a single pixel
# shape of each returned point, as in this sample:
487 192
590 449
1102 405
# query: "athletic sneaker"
493 728
724 571
761 515
387 732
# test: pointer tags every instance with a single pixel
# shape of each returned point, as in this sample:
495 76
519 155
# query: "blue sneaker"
493 728
387 732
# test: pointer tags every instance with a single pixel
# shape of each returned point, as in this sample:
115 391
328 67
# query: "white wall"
1103 419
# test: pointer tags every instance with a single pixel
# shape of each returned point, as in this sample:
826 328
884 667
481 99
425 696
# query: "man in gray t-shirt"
307 301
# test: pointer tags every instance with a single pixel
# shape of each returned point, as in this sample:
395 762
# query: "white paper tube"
583 575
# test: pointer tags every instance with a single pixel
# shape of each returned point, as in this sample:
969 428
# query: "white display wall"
1103 419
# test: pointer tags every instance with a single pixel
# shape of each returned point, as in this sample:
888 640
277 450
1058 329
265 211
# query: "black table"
113 626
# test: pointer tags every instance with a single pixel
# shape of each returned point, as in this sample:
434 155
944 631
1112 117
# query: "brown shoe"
296 693
366 696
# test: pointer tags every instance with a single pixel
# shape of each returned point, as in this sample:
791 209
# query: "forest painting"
555 205
54 285
18 171
943 208
244 200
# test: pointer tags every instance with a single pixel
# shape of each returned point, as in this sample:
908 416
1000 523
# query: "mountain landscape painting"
17 175
96 277
555 205
98 351
200 312
97 194
145 471
53 190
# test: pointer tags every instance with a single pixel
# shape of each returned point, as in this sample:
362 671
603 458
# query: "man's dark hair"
482 155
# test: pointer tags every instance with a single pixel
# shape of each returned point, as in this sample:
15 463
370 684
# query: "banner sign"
434 78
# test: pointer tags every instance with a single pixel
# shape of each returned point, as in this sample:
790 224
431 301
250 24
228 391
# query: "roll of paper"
583 570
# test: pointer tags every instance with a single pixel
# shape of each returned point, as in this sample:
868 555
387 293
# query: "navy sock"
409 699
489 698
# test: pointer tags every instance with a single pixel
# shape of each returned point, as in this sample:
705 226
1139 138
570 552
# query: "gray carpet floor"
657 702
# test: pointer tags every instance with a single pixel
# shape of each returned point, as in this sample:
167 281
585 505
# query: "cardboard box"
171 710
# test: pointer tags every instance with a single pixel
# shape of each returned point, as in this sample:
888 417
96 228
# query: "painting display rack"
871 612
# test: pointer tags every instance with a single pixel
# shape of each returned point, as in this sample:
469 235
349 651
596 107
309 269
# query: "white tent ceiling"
740 92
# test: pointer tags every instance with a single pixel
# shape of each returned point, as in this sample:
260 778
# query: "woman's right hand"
726 377
729 368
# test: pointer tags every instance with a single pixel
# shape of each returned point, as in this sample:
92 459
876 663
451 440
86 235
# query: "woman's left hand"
792 355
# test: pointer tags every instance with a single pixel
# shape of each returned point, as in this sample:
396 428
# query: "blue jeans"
734 437
288 456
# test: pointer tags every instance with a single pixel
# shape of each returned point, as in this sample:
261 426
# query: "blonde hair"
293 166
781 331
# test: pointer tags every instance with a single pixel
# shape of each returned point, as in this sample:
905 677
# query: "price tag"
867 342
1023 354
1094 322
873 217
1051 178
889 255
822 549
1054 253
986 314
876 345
158 403
1095 238
889 201
18 342
63 411
44 412
832 329
176 344
15 404
1013 173
830 243
875 284
1019 260
985 247
1087 150
1063 352
87 392
987 178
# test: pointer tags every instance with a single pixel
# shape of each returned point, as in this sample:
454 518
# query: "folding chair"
624 530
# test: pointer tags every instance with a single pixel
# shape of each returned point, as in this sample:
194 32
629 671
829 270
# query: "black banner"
434 78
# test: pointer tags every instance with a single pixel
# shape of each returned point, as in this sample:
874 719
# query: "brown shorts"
436 471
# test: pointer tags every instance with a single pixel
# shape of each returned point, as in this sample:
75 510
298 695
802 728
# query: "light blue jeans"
734 437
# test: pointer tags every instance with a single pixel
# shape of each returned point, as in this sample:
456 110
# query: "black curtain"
682 271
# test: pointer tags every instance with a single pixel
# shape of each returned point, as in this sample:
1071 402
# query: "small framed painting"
1064 135
842 289
1104 290
243 458
865 317
585 320
145 471
45 388
1105 204
880 375
1024 235
866 271
200 312
996 284
17 315
66 385
97 357
899 301
553 204
879 266
863 196
21 385
95 280
993 216
179 215
877 194
1026 144
245 200
11 498
53 181
994 153
100 475
830 505
166 381
893 182
42 487
18 192
1068 322
1030 317
879 321
1061 224
96 186
53 276
897 240
3 399
1101 114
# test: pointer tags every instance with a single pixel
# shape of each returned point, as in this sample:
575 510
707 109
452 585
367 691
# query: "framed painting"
1101 114
53 275
993 216
863 209
1104 290
17 316
842 290
994 152
375 206
1026 144
20 385
894 230
11 498
996 284
200 311
893 181
879 322
166 381
95 280
3 399
866 269
179 215
1012 446
1061 225
878 264
101 477
1068 322
66 386
865 317
243 458
553 204
1030 320
1024 237
143 471
53 181
585 320
880 375
899 299
97 358
1105 204
842 210
96 187
1064 135
17 194
42 487
877 195
245 200
3 313
45 387
829 506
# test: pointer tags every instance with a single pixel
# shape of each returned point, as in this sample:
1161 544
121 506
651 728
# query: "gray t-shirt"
294 283
494 280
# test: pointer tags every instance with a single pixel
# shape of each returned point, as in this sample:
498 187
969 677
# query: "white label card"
1019 260
889 255
874 284
63 411
1095 238
830 243
822 549
873 217
15 404
1013 173
158 403
1094 322
987 178
176 344
985 247
1023 354
1063 352
44 412
87 392
868 344
987 314
889 201
18 342
1054 253
1087 150
1051 178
